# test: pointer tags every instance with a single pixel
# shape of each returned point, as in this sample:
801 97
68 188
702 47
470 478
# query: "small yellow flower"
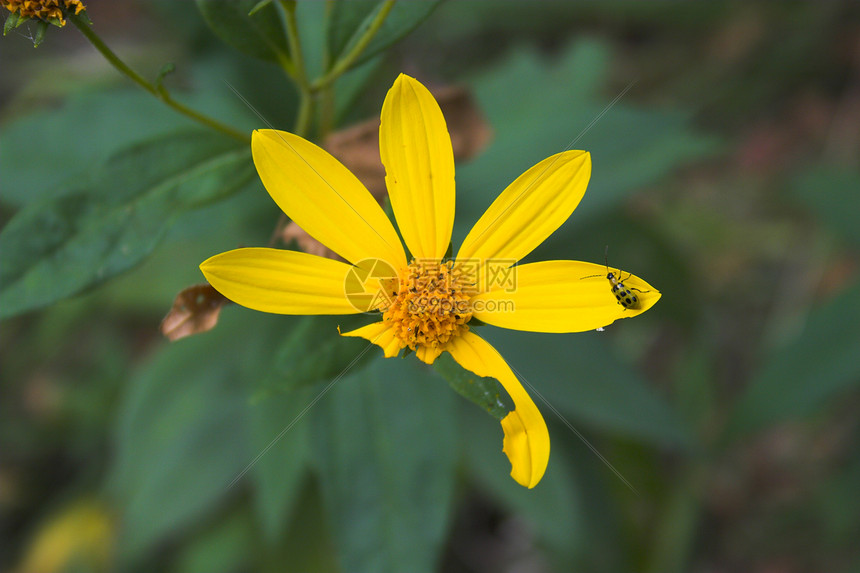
426 302
52 11
80 536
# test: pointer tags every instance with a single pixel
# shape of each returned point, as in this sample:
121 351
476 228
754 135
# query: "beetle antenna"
606 258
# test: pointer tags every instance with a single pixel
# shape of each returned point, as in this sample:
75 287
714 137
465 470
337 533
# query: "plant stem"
303 119
326 112
326 95
158 91
346 62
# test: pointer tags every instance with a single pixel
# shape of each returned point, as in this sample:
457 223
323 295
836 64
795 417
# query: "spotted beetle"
623 294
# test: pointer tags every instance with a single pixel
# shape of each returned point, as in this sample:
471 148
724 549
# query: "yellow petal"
419 167
427 354
381 334
553 296
324 198
281 282
526 440
528 211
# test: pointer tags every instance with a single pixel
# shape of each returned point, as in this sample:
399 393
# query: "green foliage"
38 161
180 439
553 508
313 352
816 366
279 433
386 466
583 378
273 443
259 34
487 393
831 193
227 545
59 247
13 20
349 21
629 147
27 142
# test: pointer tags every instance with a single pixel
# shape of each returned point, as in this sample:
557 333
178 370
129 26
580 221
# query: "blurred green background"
728 176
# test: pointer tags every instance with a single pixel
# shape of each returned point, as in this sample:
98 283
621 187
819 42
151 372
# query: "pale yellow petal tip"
527 451
263 133
206 267
648 296
262 139
653 298
404 78
401 82
581 159
571 154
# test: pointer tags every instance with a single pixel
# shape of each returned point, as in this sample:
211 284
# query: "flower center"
44 9
432 305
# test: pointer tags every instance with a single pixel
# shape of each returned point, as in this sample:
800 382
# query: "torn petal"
526 441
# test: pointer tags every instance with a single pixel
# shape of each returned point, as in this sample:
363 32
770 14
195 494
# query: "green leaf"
13 20
835 503
226 545
39 35
386 447
831 193
487 393
181 434
584 380
259 35
350 87
259 6
308 544
165 71
817 366
344 19
37 159
553 507
57 248
540 107
279 431
349 21
314 351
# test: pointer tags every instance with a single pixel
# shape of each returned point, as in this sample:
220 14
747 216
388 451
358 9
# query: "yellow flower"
427 302
48 10
81 536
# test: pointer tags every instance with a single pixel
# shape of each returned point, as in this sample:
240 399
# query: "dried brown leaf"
195 310
470 132
306 243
